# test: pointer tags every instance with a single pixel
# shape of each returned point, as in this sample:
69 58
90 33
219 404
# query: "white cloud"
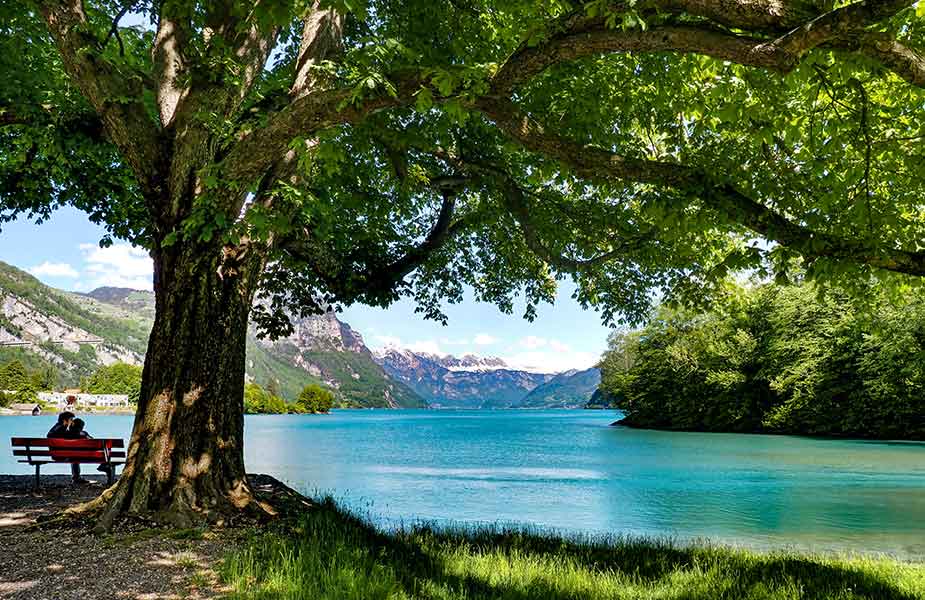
531 342
550 362
426 346
385 341
50 269
532 353
421 346
119 265
483 339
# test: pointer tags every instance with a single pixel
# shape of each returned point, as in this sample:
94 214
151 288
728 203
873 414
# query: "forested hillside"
777 359
73 334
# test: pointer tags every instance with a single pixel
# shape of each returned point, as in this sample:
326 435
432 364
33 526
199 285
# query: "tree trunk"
185 462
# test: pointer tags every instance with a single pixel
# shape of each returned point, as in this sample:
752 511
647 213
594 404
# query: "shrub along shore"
329 554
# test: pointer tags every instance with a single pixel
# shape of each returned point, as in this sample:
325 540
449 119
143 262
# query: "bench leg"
110 472
36 486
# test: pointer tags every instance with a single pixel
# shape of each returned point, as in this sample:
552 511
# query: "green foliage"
17 385
834 144
777 359
315 399
331 555
259 401
117 378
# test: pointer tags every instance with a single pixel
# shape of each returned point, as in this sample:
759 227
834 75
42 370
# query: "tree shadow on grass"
418 558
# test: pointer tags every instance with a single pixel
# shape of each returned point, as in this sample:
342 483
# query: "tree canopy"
377 148
315 399
779 360
279 156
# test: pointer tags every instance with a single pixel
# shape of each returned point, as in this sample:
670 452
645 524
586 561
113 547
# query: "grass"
330 554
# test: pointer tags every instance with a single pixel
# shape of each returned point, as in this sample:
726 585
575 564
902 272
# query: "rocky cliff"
331 351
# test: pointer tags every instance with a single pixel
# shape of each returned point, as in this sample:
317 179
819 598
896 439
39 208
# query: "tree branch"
257 149
600 165
379 281
516 203
114 28
117 99
583 39
322 33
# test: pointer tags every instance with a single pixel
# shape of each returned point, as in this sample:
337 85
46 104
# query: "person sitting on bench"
63 429
76 430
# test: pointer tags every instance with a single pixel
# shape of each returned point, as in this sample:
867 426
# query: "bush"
315 399
259 401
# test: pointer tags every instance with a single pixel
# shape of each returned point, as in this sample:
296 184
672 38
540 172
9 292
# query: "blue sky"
64 252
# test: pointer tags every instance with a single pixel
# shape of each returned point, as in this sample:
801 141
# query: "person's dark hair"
65 416
77 425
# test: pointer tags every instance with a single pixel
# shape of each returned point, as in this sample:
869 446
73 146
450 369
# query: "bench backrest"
67 450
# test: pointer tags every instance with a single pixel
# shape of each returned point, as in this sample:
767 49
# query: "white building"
60 399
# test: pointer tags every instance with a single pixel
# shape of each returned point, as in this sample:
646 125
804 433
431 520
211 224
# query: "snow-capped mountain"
475 382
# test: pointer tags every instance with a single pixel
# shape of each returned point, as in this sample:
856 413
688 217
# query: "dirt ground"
66 564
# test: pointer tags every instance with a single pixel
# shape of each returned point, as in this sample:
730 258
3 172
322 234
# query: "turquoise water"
567 470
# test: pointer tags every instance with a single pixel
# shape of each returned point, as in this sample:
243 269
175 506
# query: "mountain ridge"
446 381
79 332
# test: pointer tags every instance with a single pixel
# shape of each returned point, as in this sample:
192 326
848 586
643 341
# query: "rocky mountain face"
485 382
335 354
42 326
77 333
460 382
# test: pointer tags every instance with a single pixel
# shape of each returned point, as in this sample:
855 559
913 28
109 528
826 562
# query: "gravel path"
76 564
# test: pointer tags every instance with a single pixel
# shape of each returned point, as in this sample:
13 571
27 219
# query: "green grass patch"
330 554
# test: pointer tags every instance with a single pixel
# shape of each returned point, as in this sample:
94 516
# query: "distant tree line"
312 399
777 360
19 384
117 378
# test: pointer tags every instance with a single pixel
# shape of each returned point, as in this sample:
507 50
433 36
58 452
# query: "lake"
569 471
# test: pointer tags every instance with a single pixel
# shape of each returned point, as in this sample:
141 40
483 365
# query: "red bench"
94 451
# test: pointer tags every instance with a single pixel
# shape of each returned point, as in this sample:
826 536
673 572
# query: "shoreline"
304 553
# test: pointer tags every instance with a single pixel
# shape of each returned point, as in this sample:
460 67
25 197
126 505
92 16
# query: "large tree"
285 154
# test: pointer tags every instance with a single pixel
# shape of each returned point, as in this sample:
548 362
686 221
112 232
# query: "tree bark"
185 464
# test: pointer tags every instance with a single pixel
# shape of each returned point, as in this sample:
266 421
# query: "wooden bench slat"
70 461
93 451
96 443
89 453
68 453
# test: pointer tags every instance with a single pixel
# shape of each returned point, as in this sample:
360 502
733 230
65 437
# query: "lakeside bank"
325 552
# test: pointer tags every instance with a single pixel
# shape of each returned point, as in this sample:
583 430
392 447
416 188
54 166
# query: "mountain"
467 382
329 350
42 326
77 333
571 389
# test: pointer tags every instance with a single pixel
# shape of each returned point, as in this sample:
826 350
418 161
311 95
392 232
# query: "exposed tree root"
270 500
